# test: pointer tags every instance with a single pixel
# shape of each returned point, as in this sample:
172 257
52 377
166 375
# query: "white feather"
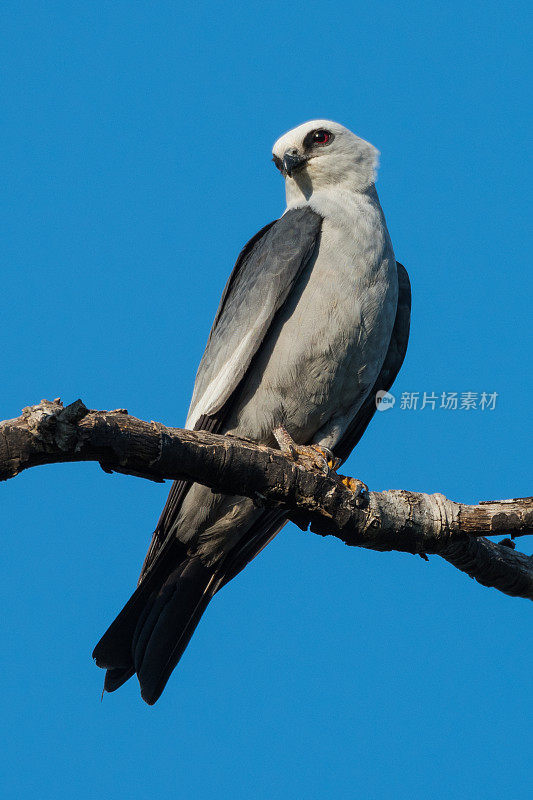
210 400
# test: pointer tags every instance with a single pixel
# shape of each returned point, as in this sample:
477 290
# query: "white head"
320 155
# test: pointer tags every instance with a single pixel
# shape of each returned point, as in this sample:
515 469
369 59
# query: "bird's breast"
325 348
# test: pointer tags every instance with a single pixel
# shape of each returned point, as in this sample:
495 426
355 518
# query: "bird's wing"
264 274
389 370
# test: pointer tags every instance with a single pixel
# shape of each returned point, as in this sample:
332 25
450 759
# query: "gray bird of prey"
312 324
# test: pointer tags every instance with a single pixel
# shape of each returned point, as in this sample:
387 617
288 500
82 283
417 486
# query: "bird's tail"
153 629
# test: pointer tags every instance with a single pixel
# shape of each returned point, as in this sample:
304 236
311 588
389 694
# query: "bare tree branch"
392 520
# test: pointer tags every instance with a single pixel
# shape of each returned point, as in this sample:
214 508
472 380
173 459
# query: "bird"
312 325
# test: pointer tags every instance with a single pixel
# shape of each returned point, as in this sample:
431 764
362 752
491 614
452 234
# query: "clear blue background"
136 153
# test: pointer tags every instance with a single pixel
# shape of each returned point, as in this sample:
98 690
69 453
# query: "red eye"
321 137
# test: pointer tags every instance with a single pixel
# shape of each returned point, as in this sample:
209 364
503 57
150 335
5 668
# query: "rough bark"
391 520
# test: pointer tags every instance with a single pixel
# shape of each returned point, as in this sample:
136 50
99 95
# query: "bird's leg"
318 456
321 457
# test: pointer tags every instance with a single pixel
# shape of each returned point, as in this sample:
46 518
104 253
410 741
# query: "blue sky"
137 144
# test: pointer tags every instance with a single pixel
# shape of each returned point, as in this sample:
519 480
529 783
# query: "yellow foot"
310 454
357 487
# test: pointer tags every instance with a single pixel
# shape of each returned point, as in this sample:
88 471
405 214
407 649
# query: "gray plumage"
313 321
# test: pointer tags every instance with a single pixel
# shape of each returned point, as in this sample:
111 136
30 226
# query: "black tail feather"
153 629
115 678
169 627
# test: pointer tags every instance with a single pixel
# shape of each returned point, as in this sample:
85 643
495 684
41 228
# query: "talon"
354 484
320 457
331 460
357 487
315 450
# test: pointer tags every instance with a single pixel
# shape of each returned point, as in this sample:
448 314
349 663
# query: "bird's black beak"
292 161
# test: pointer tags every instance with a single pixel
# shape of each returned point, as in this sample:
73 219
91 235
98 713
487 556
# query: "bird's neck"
300 189
337 201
